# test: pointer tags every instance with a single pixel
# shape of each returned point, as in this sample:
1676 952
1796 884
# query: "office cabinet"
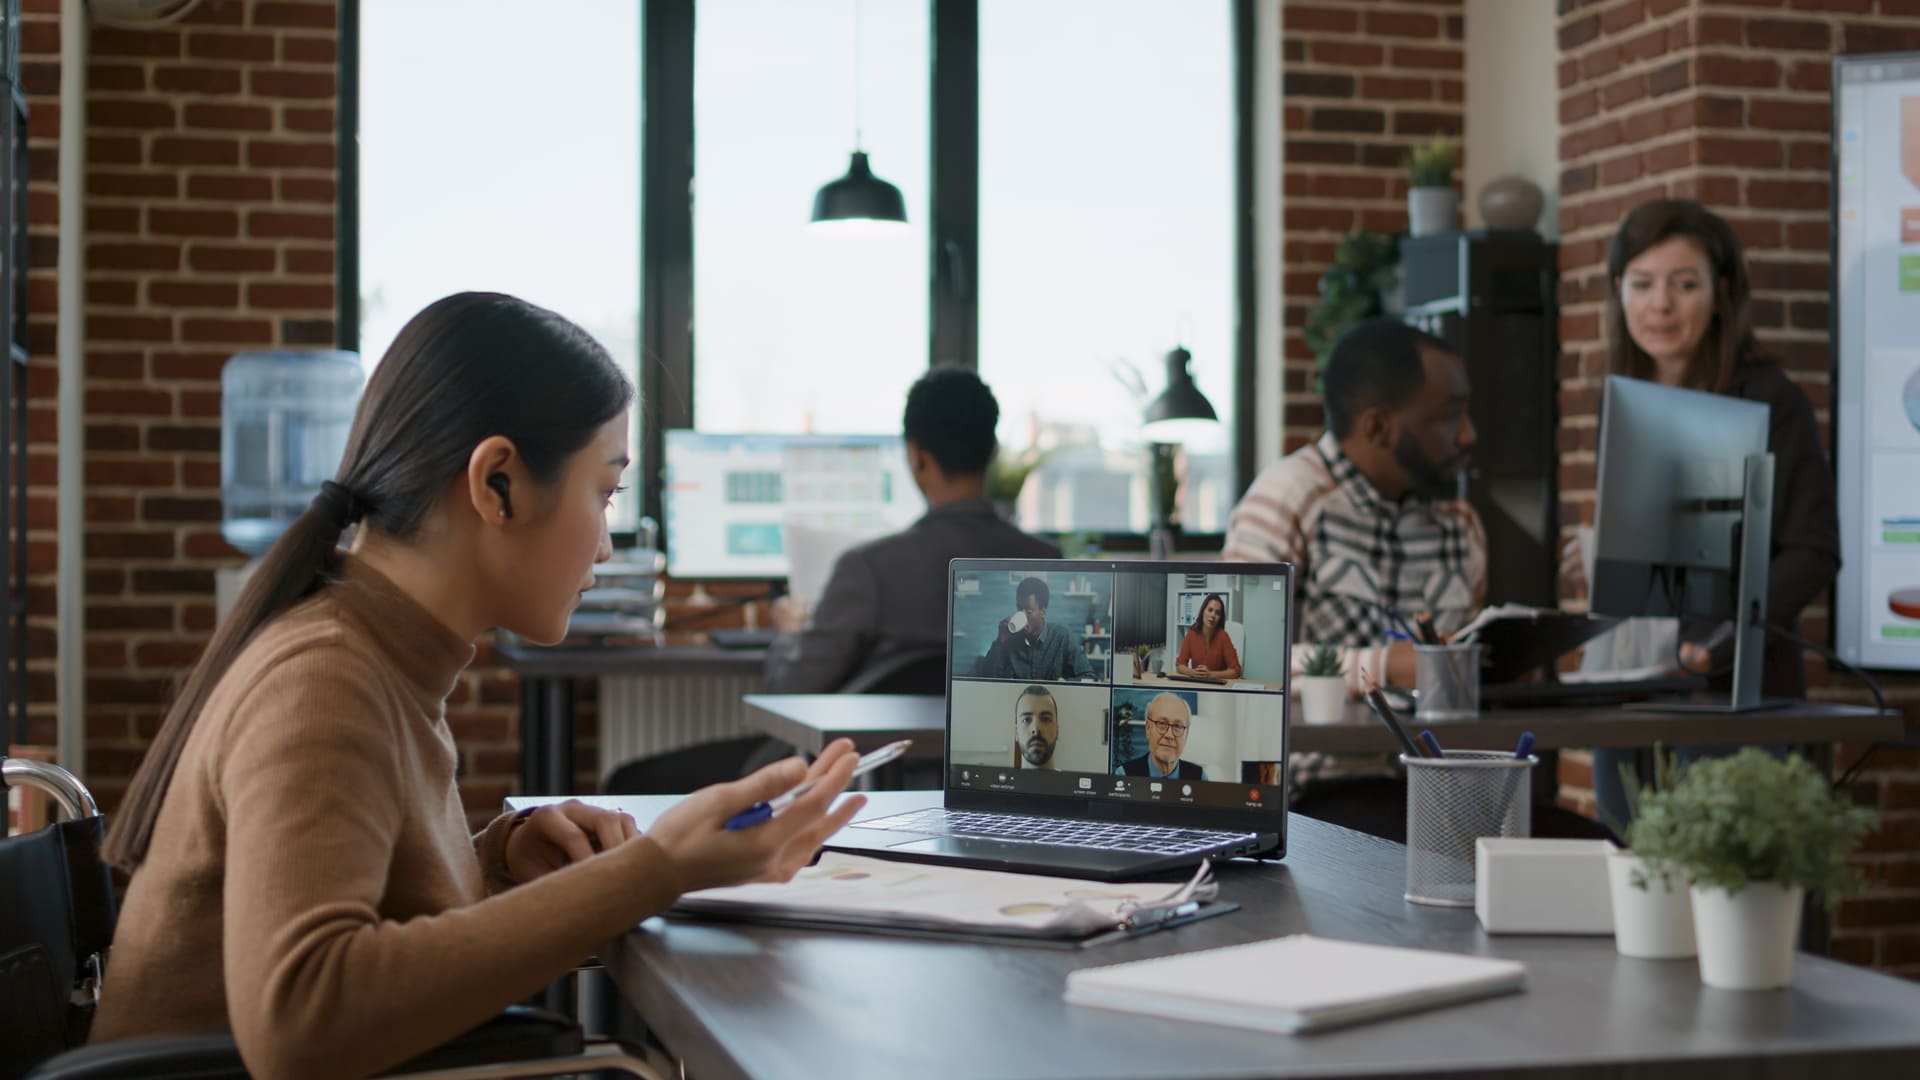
1492 295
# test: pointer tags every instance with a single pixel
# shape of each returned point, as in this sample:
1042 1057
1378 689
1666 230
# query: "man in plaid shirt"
1372 519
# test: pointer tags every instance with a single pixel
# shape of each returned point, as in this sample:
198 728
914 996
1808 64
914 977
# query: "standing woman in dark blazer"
1680 315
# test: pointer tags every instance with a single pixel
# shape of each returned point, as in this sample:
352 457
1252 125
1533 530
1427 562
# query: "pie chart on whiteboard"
1905 603
1910 397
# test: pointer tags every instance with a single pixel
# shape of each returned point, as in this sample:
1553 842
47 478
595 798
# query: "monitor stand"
1754 545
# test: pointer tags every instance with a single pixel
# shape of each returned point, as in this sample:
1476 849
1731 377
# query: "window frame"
668 361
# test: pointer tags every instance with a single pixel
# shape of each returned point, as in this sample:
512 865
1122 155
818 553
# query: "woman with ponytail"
302 872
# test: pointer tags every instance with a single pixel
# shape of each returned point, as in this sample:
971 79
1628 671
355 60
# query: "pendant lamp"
858 202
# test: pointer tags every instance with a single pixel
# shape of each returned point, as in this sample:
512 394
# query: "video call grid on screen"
1103 683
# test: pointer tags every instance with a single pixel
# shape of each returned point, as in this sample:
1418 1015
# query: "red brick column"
210 229
1729 103
1360 84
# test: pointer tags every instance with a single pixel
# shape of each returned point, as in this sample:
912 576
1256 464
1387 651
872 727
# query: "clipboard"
859 894
1515 642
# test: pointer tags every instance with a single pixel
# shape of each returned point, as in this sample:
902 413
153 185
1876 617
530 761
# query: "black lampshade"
860 199
1181 412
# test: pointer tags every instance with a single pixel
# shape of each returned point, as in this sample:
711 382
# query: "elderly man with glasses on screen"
1168 722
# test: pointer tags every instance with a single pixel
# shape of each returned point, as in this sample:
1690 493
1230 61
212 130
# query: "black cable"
1873 687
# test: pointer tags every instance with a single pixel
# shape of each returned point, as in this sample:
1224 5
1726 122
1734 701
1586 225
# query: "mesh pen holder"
1453 801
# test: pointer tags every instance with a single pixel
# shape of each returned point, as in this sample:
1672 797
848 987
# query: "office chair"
54 943
920 671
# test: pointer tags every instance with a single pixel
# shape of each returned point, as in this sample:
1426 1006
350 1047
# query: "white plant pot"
1323 699
1747 939
1654 923
1432 210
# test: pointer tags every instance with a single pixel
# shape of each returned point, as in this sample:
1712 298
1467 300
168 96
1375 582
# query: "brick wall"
1728 103
210 217
1360 84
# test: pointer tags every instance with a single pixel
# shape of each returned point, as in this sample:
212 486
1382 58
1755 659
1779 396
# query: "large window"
648 169
797 330
500 152
1107 237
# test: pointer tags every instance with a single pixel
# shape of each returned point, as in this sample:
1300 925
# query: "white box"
1524 886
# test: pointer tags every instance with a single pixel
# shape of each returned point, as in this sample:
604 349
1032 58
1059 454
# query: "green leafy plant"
1323 662
1366 267
1730 822
1007 473
1430 164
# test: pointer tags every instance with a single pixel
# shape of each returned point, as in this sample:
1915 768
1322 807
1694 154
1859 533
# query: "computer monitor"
1683 515
728 498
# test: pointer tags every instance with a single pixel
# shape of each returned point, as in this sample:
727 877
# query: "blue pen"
1520 751
764 811
1525 746
1432 744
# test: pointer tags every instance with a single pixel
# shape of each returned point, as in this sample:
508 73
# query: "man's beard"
1038 752
1437 480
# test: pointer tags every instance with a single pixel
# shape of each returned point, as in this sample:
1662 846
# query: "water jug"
284 418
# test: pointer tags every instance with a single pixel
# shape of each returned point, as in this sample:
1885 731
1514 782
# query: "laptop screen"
1153 684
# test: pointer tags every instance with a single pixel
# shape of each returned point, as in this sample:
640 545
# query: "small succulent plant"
1323 661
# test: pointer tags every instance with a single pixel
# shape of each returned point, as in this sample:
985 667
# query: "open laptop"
1073 749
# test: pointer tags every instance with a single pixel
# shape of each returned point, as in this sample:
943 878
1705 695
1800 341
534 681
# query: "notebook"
1069 752
1294 985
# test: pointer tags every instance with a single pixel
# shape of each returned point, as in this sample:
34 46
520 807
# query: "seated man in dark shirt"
1027 646
887 598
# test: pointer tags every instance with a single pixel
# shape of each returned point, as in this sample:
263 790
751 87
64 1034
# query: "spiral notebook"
1294 985
857 893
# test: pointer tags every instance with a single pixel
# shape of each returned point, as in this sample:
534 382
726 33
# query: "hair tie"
340 504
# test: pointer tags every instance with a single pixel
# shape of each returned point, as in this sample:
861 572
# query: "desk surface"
588 661
740 1001
810 721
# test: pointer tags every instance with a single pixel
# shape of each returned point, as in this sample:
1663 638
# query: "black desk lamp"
1180 414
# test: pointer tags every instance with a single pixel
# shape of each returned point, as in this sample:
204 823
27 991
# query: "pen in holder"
1453 801
1448 678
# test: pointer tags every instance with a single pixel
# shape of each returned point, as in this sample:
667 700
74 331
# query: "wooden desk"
547 678
739 1001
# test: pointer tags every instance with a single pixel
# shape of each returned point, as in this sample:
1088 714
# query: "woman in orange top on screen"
1207 651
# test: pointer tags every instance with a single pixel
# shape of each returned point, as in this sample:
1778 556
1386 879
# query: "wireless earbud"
498 482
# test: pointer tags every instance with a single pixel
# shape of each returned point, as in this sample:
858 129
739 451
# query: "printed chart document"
855 892
1294 984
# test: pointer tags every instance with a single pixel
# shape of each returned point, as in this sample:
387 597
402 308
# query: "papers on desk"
1293 984
811 553
853 892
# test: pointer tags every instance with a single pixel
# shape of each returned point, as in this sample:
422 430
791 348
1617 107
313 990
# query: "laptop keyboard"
1059 832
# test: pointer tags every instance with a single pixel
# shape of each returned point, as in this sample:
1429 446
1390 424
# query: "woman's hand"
694 834
562 833
1695 660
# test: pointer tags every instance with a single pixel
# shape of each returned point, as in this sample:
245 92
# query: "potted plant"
1363 281
1140 653
1007 474
1433 206
1323 686
1754 834
1652 910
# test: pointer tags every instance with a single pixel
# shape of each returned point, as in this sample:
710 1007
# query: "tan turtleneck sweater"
311 884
